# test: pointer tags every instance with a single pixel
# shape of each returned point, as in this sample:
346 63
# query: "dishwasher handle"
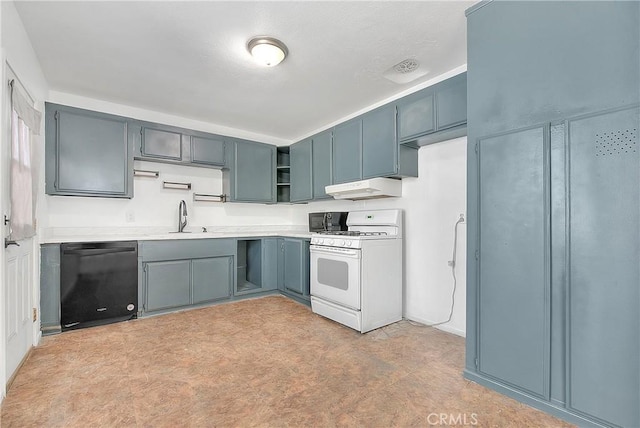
98 251
91 248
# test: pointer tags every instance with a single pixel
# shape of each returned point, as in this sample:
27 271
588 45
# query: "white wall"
18 53
153 206
432 204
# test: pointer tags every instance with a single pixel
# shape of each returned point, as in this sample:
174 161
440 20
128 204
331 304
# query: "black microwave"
327 221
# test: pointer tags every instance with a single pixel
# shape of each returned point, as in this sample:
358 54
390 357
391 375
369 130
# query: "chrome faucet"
182 216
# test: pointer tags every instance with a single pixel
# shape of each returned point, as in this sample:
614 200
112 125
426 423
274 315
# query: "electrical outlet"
462 217
130 217
451 263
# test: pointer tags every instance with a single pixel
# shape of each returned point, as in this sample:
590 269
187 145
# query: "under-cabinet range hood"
366 189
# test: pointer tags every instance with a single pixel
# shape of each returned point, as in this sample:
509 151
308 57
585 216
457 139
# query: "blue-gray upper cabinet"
301 171
381 154
207 151
347 151
155 142
252 172
416 115
87 153
160 143
451 102
434 114
379 146
321 163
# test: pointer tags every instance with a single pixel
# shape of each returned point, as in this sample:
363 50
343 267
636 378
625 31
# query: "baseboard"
545 406
13 376
443 327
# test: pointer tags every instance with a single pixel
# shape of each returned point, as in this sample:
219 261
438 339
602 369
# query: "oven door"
335 275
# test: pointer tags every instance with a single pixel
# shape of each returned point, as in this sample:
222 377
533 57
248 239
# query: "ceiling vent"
405 71
406 66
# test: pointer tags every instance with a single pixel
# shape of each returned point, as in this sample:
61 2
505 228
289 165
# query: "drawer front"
181 249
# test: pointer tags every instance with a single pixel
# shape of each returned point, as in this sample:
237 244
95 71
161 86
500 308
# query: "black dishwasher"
98 283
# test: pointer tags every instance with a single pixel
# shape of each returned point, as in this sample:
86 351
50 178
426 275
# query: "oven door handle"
335 252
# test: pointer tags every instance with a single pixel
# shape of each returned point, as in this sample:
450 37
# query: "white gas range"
356 275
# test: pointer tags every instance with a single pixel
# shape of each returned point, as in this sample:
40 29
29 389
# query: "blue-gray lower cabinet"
167 284
294 267
211 278
87 153
184 272
301 171
321 167
176 283
256 266
50 289
251 176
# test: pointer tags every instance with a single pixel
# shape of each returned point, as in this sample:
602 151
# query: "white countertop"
60 235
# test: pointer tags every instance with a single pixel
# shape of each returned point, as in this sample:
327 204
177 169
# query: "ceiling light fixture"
267 51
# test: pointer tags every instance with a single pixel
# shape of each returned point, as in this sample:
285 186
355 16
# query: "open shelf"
249 266
283 175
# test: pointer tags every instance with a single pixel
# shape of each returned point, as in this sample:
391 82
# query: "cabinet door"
254 172
211 278
50 288
270 256
514 279
207 151
300 158
379 145
321 164
296 266
157 143
416 115
451 102
604 274
167 284
87 153
347 152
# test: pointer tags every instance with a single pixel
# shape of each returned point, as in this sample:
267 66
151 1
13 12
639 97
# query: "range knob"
348 243
330 242
342 243
319 241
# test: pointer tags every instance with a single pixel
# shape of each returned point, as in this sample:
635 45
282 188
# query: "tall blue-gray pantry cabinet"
553 276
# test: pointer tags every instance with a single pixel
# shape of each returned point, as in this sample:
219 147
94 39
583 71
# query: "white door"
18 324
18 262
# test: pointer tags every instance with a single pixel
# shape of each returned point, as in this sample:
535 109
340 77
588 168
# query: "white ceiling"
190 59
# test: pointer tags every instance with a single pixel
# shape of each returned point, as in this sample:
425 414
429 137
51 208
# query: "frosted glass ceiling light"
267 51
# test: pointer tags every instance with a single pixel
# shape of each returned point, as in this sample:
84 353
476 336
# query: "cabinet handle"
8 242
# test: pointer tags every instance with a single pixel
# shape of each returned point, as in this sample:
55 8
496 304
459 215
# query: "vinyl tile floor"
262 362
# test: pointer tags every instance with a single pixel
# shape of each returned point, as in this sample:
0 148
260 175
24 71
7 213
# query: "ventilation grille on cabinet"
617 142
